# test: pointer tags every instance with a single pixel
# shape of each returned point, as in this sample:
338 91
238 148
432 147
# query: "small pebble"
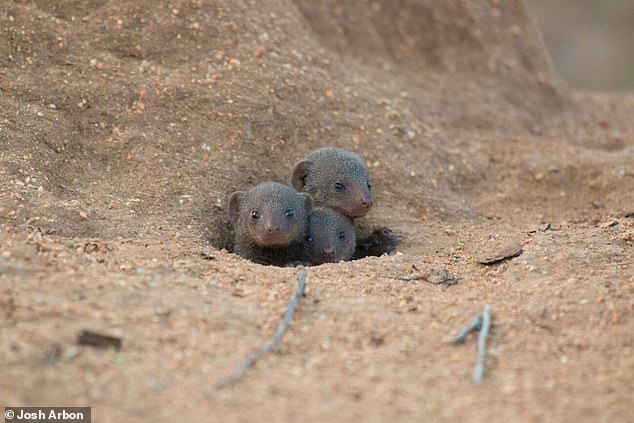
494 251
608 223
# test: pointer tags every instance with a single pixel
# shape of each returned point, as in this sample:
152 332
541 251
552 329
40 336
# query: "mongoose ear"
299 174
234 204
308 201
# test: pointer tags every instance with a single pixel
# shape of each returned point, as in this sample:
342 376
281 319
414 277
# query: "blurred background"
591 42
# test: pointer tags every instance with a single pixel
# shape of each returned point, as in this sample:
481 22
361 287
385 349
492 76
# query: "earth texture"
125 125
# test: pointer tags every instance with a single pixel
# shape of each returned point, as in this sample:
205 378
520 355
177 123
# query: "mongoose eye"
289 213
341 235
308 238
369 185
339 186
255 214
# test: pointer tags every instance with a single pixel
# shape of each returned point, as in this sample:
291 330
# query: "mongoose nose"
328 252
273 229
366 203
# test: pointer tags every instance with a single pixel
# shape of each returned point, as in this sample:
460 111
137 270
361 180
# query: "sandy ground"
124 125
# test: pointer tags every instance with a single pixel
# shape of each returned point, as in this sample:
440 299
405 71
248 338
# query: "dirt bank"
124 125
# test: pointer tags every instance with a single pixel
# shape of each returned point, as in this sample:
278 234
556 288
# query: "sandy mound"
124 125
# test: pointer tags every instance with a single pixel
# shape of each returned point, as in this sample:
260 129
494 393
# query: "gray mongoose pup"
339 179
330 239
270 222
335 178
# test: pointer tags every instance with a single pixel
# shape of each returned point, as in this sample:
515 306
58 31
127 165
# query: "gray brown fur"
379 242
317 175
324 171
331 237
273 237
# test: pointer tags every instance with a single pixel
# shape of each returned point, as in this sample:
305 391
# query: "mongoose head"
271 214
330 238
337 179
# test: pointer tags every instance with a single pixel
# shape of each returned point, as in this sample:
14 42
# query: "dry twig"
272 344
475 324
478 371
482 323
406 278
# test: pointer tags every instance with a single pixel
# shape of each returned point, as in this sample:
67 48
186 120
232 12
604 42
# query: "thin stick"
478 371
405 278
273 342
475 324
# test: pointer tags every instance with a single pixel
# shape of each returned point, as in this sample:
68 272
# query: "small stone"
259 51
608 223
206 255
442 276
83 215
377 340
70 352
98 340
494 251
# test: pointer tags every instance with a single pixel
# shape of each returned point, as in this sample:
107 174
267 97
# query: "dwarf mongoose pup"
337 179
270 222
331 237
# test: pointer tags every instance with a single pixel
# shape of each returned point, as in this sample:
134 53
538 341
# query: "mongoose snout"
328 253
